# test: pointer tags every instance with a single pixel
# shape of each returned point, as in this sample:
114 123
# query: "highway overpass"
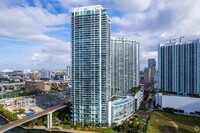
47 112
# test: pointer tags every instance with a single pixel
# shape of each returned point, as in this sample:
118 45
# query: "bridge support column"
49 120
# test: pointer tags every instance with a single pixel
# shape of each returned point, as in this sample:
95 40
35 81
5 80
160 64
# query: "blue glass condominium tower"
90 29
179 67
125 65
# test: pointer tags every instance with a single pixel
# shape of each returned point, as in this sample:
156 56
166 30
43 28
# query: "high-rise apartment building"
90 29
68 72
151 63
152 66
147 75
125 65
179 67
45 74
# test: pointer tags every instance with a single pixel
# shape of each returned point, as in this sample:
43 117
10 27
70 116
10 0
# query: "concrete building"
147 75
26 102
183 104
45 74
153 72
179 67
90 29
138 99
19 102
120 108
125 65
36 85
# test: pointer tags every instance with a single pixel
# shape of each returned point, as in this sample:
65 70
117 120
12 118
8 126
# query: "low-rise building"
138 99
36 85
179 104
120 108
19 101
26 102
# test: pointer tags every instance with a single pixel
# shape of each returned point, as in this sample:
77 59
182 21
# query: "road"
29 118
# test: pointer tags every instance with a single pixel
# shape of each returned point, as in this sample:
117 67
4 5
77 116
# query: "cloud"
155 21
35 56
148 21
131 5
28 21
52 56
70 3
31 24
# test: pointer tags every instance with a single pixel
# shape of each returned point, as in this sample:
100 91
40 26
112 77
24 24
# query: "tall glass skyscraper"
179 67
90 29
125 65
151 63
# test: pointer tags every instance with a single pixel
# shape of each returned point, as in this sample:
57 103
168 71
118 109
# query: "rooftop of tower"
177 43
123 38
85 8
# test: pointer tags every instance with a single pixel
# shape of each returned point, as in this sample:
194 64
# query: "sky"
35 34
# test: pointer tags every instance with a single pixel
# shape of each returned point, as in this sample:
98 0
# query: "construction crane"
174 39
180 39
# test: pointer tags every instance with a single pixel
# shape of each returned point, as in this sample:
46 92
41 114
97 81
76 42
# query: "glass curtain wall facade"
90 27
125 65
179 67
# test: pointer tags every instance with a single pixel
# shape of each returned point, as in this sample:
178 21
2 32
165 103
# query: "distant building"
153 72
26 102
36 85
179 67
151 63
152 66
30 74
125 65
19 101
147 75
45 74
68 72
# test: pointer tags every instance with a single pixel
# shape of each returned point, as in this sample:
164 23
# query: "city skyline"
41 37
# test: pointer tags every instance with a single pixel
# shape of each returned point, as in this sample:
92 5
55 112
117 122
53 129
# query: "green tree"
85 124
113 125
64 121
21 110
1 105
143 106
40 122
93 124
78 125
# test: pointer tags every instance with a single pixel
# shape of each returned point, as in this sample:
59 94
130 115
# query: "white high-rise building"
125 65
45 74
90 30
68 72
